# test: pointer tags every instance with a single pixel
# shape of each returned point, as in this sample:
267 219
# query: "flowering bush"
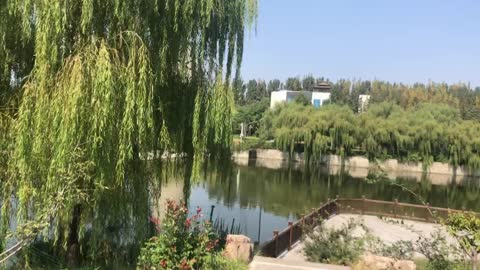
183 243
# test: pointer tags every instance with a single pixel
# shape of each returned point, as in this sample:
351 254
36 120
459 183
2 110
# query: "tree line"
426 132
252 98
346 92
255 90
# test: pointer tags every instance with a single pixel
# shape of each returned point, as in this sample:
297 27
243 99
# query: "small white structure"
363 102
316 98
277 97
319 98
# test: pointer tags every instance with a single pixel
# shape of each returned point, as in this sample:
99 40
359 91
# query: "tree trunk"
73 248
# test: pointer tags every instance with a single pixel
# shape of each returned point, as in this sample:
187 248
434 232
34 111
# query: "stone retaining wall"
358 166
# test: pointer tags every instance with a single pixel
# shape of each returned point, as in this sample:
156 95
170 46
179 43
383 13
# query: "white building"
319 98
316 98
363 102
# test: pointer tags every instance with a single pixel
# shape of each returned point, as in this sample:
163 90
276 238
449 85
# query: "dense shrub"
345 245
335 246
184 243
465 227
440 255
400 250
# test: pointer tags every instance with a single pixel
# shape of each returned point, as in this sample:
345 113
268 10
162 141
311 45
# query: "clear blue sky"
396 40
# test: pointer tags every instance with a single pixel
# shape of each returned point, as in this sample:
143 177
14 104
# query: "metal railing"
284 240
395 209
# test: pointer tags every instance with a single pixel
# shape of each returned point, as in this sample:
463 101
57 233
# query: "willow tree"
426 133
112 81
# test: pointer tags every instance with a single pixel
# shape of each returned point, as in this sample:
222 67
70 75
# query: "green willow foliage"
110 82
426 132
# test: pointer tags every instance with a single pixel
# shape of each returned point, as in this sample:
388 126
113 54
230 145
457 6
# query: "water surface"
261 200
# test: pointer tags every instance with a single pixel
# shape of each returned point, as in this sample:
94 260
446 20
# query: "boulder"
373 262
404 265
239 247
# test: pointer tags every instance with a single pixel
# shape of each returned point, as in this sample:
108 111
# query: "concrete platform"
264 263
387 230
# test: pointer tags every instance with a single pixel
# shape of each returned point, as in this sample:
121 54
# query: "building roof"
322 87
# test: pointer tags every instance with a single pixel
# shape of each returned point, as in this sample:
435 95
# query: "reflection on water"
262 199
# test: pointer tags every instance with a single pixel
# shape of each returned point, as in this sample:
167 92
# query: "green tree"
273 85
252 92
262 89
239 90
293 83
256 90
340 93
308 83
112 82
251 115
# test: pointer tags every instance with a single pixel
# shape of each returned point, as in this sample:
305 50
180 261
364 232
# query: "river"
261 200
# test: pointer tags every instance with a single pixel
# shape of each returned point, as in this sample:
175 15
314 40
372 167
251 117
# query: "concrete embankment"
358 166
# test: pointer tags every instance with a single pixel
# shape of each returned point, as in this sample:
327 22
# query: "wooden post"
363 204
326 210
275 237
290 226
337 205
395 207
428 211
211 213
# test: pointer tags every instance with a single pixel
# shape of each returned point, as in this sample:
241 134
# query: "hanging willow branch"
112 81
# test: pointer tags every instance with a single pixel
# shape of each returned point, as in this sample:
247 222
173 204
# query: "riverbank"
359 166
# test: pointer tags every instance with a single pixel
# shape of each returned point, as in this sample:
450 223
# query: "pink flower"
188 222
156 222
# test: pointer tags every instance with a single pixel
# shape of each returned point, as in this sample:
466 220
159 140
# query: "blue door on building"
317 103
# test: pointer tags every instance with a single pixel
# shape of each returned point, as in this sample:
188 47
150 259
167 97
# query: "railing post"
275 236
290 226
363 205
337 205
428 211
326 210
211 213
395 207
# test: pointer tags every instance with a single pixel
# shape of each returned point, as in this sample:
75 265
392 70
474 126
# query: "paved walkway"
264 263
